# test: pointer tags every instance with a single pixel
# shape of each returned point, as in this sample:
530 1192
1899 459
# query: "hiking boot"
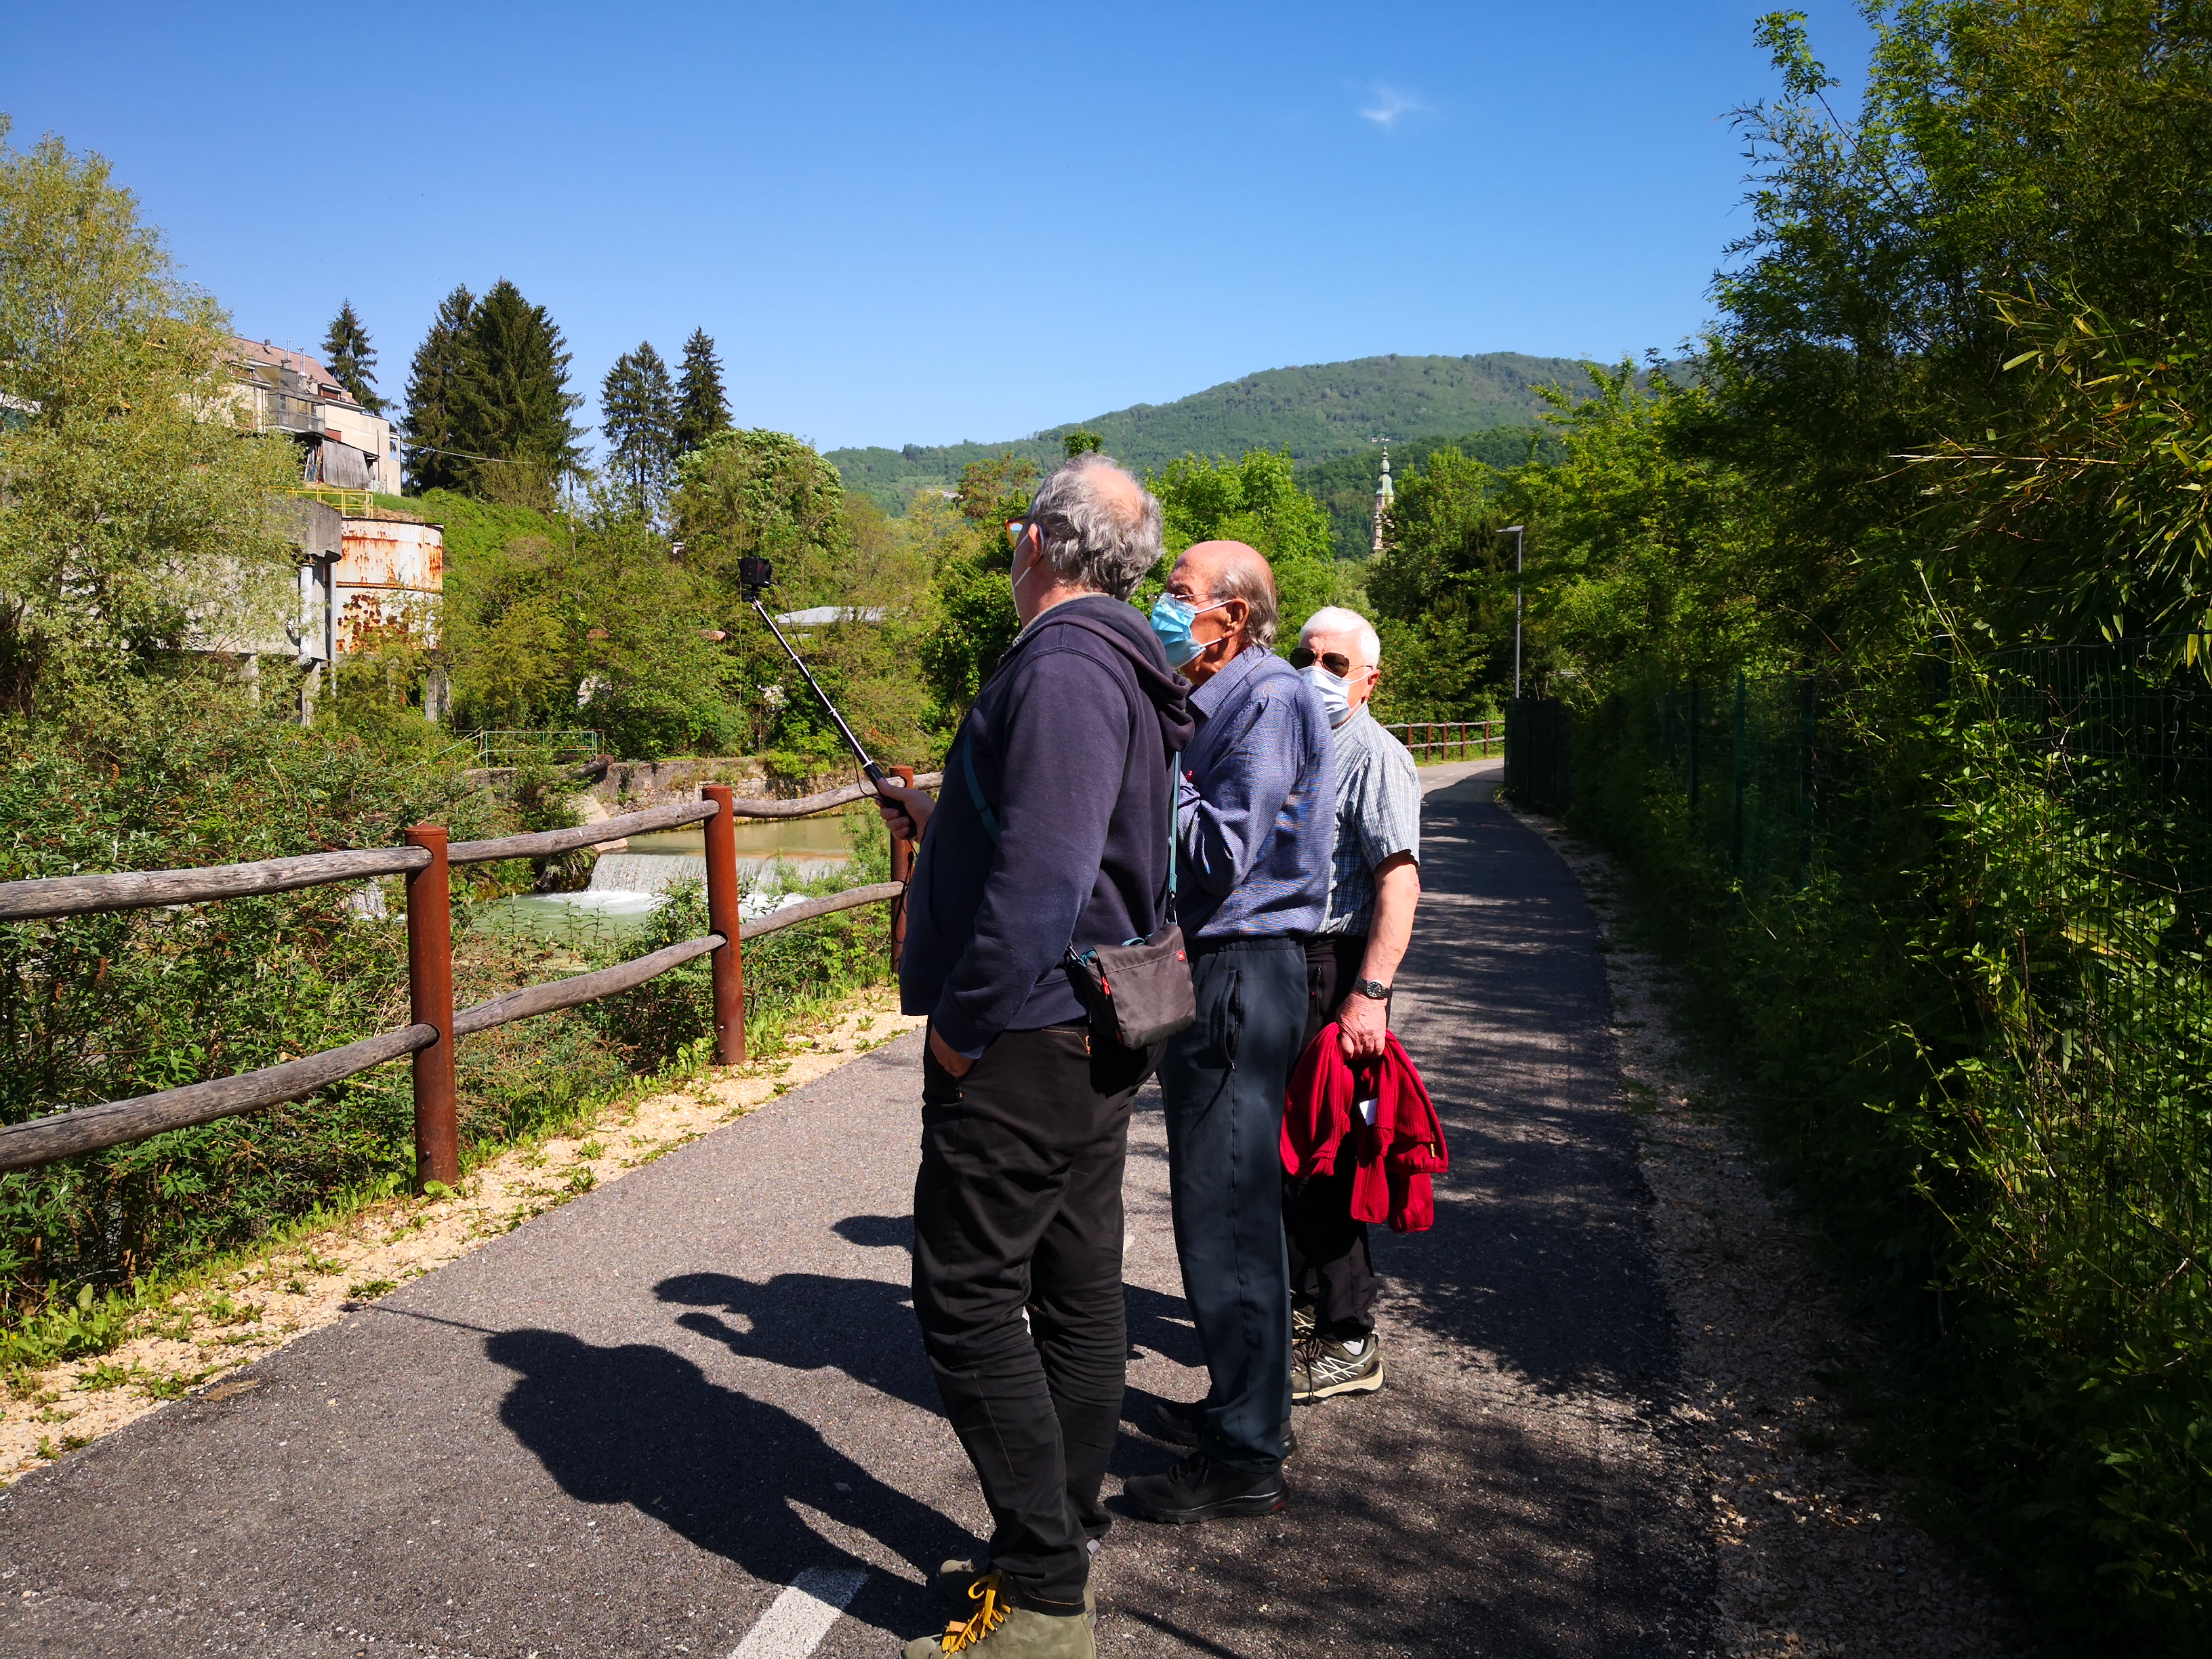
956 1581
1181 1425
1302 1321
996 1628
1199 1489
1325 1367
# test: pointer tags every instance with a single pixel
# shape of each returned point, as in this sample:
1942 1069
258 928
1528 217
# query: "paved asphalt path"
627 1427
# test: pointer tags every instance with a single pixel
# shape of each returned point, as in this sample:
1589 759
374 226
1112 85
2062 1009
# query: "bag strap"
975 789
1169 911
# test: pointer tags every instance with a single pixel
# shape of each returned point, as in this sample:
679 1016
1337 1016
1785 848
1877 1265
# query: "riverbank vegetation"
148 721
1884 633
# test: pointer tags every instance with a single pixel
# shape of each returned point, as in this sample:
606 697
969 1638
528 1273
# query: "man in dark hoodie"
1053 829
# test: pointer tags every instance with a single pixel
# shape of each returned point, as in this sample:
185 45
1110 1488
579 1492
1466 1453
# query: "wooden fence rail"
434 1027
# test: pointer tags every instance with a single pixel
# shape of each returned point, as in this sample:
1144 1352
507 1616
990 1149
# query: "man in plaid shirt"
1375 882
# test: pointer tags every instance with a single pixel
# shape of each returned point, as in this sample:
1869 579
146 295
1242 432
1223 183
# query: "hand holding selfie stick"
755 576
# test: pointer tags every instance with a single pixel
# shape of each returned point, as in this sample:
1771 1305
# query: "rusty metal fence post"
902 871
723 912
430 997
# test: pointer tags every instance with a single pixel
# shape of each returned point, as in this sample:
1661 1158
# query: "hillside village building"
342 444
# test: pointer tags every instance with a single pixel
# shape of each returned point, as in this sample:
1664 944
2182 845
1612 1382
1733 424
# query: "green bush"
1942 924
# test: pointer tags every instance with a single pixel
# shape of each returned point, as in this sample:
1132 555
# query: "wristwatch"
1373 989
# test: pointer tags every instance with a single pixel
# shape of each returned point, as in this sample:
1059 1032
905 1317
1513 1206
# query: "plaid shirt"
1378 815
1254 808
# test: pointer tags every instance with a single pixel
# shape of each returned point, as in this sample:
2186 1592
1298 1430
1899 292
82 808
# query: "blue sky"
911 223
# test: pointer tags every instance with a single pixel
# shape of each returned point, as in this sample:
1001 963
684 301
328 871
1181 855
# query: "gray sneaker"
1323 1368
1301 1321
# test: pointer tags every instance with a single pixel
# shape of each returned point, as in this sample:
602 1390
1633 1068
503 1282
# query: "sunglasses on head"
1335 661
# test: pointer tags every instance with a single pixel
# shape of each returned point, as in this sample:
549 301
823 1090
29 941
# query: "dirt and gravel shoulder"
1812 1554
215 1324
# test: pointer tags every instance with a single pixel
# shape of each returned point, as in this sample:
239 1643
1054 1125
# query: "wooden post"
902 871
722 913
430 996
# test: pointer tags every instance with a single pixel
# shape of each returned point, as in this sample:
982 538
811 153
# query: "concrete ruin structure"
370 581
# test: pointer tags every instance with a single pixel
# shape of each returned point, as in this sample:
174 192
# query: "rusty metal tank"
390 580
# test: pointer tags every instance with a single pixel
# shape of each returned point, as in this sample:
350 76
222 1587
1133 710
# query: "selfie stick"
753 576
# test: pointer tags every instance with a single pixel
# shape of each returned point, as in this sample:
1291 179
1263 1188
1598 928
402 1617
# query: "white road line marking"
797 1621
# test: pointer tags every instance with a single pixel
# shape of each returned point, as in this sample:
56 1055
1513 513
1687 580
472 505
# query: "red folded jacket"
1392 1158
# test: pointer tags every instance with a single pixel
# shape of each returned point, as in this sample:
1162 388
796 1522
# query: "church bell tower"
1382 499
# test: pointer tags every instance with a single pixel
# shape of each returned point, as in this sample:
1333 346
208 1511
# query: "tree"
433 383
2003 148
553 622
1253 500
136 515
976 621
757 492
512 401
1082 441
638 414
701 409
351 359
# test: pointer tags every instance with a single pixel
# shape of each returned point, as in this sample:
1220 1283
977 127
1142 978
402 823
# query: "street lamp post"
1518 533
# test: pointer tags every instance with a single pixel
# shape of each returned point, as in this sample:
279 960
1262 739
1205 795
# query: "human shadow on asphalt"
812 1322
641 1425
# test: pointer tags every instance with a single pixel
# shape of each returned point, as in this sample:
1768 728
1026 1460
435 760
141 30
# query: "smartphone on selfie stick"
755 577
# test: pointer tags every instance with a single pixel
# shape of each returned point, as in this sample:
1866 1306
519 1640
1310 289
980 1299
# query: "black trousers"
1018 1210
1222 1083
1331 1266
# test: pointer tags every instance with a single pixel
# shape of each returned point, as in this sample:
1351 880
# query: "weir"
648 872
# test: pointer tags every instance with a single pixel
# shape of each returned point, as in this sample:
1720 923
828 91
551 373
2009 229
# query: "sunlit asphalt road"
627 1428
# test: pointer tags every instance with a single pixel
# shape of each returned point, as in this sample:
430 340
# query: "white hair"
1335 619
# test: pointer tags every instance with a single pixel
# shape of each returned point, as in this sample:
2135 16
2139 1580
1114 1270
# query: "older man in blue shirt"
1255 819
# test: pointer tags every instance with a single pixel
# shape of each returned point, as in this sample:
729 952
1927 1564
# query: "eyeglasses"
1335 661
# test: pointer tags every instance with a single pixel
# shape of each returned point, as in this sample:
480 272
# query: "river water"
774 855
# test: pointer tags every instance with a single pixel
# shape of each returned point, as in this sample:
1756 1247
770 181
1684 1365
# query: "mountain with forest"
1317 412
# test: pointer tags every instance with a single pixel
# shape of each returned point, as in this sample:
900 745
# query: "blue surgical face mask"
1336 694
1171 621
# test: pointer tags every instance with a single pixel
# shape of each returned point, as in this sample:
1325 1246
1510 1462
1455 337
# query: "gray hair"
1250 579
1335 619
1095 536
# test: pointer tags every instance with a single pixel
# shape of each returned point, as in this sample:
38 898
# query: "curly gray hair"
1099 528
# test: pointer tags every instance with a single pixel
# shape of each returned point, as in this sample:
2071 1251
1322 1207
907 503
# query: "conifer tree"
351 359
701 408
638 414
512 402
433 383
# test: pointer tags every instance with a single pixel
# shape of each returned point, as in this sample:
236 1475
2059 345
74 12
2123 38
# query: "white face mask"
1336 694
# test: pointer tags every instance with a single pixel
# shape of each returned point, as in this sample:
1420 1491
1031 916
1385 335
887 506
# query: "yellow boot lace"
966 1633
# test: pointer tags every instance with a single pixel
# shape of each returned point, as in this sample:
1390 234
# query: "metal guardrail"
574 744
1449 739
433 1026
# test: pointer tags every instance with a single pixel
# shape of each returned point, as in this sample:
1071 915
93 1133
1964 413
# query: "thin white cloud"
1389 104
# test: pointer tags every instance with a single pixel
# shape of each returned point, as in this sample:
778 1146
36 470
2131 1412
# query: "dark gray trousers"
1223 1081
1018 1232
